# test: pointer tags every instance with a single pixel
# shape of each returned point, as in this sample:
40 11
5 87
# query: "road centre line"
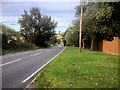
10 62
41 67
50 49
17 60
36 54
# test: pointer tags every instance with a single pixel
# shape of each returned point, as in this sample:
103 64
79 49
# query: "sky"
62 12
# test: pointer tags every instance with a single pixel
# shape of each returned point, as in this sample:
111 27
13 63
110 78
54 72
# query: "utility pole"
80 39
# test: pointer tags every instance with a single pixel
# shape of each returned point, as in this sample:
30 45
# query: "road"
18 70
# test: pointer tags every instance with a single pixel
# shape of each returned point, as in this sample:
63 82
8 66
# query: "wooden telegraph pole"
80 28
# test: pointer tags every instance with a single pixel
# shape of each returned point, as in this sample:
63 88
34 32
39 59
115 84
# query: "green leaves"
72 36
101 18
37 28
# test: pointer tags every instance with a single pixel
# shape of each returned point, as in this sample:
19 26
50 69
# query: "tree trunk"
83 45
92 44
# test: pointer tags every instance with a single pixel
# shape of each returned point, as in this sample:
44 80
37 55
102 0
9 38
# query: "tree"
72 36
112 24
101 20
53 40
37 28
26 26
94 14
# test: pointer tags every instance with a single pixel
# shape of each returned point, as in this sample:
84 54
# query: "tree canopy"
37 28
101 20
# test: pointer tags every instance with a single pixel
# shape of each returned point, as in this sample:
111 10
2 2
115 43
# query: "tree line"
101 20
35 30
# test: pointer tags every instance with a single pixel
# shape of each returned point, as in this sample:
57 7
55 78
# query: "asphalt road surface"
18 70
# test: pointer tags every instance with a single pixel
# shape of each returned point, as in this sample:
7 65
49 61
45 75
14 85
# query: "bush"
26 45
11 39
58 41
53 40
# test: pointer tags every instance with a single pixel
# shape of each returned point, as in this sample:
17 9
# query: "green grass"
88 69
4 52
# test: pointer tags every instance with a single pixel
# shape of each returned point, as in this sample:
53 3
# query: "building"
59 37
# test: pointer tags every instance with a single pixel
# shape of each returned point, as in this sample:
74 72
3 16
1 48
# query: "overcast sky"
62 12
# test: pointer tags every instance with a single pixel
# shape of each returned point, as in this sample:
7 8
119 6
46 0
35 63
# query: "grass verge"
87 69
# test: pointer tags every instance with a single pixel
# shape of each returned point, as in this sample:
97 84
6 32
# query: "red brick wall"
119 47
112 47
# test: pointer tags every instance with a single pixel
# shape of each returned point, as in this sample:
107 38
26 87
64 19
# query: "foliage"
11 39
72 34
53 40
63 35
95 14
58 41
37 28
100 18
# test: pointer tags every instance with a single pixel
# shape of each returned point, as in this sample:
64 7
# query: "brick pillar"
116 42
104 45
119 47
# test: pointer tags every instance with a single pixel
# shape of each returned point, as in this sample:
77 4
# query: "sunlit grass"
88 69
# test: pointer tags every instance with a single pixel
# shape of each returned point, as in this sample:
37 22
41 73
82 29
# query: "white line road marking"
41 67
36 54
50 49
10 62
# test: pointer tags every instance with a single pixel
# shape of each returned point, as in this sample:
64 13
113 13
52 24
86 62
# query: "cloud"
0 9
59 0
63 21
15 8
61 12
57 6
9 19
40 0
11 22
62 29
